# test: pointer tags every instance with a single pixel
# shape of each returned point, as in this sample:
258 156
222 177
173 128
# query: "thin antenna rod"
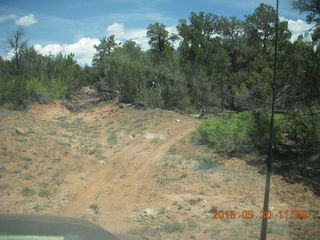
264 225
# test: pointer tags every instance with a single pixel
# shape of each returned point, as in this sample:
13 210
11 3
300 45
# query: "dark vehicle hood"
69 228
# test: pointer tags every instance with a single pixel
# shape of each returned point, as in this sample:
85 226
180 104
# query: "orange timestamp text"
250 214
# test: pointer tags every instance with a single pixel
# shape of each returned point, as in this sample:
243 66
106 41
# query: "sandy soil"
137 174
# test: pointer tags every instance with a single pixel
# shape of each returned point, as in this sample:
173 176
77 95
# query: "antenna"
264 225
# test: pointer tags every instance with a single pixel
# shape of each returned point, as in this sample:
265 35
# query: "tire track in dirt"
127 180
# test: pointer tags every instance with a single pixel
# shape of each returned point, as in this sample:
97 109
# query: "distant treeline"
221 63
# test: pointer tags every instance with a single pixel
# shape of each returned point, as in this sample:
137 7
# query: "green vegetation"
207 163
28 192
171 227
3 187
222 63
227 133
162 210
28 177
112 140
44 193
28 159
183 175
192 223
241 132
39 79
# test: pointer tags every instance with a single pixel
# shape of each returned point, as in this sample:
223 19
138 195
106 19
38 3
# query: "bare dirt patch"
99 165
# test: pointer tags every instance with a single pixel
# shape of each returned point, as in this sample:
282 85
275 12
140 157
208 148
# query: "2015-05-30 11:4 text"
250 214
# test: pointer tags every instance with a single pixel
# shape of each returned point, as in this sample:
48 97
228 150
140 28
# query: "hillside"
138 174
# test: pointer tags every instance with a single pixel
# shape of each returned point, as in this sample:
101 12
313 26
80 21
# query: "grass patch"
28 177
173 150
179 207
109 123
77 123
27 192
145 230
58 173
63 144
26 159
123 122
207 163
162 210
44 193
172 227
3 187
227 179
192 224
66 135
183 175
74 124
53 133
16 171
62 118
112 140
31 131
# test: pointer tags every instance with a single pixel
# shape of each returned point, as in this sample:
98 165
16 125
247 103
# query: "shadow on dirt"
294 168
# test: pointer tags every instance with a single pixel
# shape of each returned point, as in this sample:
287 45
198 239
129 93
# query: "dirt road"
137 174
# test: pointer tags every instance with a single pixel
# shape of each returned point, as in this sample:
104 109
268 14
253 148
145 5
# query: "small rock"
195 200
149 213
19 130
177 120
87 90
102 162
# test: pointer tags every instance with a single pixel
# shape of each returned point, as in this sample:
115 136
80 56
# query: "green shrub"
44 193
13 92
151 98
27 192
112 140
227 133
37 91
302 128
240 132
244 131
162 210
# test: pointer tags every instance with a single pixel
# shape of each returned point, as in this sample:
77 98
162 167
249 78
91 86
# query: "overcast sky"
77 25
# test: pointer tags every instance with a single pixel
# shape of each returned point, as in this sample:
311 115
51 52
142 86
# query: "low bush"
27 192
301 129
44 193
228 133
245 131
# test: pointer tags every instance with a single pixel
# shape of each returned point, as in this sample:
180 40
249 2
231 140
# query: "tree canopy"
220 64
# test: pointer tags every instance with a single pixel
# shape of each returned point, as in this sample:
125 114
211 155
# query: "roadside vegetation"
222 66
